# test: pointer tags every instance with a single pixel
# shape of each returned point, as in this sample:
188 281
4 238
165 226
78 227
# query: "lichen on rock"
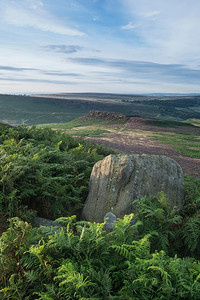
118 180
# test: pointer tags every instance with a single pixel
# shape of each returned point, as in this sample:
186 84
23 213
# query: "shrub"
82 261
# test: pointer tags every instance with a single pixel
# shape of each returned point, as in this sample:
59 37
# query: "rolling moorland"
41 109
178 140
46 172
167 125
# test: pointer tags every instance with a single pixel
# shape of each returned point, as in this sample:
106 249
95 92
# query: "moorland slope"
60 108
137 135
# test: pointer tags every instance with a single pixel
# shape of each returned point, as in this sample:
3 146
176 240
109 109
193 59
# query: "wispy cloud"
62 48
10 68
68 49
143 44
129 26
36 80
61 74
32 14
169 30
20 71
142 69
35 4
150 14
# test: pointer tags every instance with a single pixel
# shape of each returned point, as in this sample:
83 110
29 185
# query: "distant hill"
173 94
61 108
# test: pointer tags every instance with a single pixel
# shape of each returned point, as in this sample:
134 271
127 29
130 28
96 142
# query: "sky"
108 46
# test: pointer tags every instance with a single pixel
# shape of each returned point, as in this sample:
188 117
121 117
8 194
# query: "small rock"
110 218
44 222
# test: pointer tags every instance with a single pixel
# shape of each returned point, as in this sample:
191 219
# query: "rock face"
118 180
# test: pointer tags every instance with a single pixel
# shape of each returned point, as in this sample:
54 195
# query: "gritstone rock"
110 218
118 180
44 222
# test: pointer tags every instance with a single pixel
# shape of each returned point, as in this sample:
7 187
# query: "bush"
44 171
152 255
82 261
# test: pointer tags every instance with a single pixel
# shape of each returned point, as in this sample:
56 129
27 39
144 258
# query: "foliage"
192 196
156 218
44 170
171 230
82 261
153 254
190 230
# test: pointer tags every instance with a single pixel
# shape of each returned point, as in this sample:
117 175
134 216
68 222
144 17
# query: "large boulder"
118 180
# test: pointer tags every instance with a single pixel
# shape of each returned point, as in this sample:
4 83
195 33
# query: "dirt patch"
138 144
133 135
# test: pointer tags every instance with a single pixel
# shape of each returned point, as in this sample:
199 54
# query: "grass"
167 123
186 144
178 139
89 132
195 122
188 151
79 123
183 143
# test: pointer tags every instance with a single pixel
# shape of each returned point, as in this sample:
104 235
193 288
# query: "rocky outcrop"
118 180
104 116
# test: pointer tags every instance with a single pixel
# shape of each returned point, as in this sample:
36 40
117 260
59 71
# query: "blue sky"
115 46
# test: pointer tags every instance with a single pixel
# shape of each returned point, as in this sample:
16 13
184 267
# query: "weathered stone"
110 218
44 222
118 180
48 227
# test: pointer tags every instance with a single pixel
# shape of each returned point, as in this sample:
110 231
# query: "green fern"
191 235
158 220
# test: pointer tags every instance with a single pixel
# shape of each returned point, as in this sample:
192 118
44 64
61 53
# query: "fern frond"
191 233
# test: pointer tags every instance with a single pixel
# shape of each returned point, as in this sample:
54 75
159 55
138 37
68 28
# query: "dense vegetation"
153 254
44 170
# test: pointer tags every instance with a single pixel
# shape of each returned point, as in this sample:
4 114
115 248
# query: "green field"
183 143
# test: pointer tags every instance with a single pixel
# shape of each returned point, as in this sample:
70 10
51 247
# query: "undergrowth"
153 254
45 171
80 260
